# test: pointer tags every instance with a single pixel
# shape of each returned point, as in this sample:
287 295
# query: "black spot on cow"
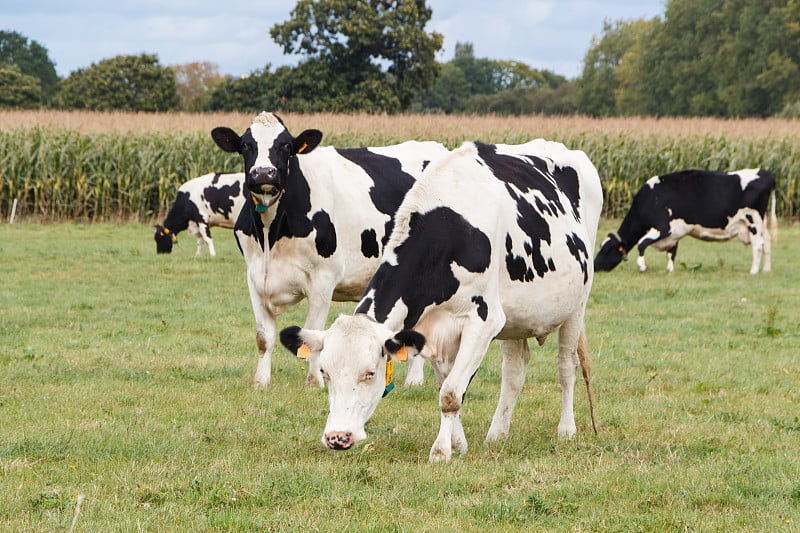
369 243
182 211
249 221
577 248
292 210
483 309
389 182
325 239
436 239
221 199
528 174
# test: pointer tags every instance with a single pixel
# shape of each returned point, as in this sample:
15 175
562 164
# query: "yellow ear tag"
304 352
401 354
302 148
389 376
389 371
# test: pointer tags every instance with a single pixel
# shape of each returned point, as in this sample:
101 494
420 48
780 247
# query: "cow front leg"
475 340
416 371
319 305
516 355
265 342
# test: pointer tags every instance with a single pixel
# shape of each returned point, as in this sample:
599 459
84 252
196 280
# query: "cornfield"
110 166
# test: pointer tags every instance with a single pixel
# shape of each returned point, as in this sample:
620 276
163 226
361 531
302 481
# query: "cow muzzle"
339 440
263 180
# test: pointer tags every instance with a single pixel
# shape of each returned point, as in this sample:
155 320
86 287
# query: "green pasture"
125 385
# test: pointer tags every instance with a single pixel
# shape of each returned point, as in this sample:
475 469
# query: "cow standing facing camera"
315 222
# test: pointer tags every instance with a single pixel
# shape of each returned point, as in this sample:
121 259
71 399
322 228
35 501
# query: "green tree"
374 49
30 58
122 83
18 90
195 81
611 77
449 94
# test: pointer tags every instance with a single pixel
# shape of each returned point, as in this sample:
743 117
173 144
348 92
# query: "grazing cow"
203 202
710 206
491 242
317 222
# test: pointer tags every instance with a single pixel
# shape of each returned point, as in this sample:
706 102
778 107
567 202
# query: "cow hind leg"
516 355
671 253
568 364
760 241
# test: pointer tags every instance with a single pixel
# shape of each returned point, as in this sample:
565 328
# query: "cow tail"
773 219
586 368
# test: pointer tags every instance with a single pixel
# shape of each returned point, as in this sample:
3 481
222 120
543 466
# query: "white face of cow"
353 355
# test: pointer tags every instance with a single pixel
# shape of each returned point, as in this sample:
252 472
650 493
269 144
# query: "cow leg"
767 250
194 229
205 235
265 321
475 339
671 253
415 374
516 355
319 305
568 364
760 241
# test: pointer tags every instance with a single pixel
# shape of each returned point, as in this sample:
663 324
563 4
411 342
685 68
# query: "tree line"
725 58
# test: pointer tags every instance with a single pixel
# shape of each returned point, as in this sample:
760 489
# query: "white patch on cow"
652 182
746 176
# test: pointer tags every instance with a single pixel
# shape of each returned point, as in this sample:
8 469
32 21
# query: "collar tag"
389 376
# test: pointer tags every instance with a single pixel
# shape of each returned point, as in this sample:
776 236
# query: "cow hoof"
260 385
437 456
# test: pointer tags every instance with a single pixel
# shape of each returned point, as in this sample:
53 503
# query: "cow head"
354 355
611 253
267 148
164 239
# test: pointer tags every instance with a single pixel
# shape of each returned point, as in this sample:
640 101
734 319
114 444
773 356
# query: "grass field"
125 385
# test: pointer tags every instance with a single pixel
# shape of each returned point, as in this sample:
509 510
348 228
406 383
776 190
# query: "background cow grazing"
711 206
210 200
492 241
316 222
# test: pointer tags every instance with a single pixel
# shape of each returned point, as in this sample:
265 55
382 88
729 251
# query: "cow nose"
339 440
262 177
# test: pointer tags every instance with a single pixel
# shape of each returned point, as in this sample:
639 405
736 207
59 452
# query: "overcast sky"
545 34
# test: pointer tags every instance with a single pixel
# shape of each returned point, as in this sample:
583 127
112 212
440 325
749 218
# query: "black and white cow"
494 241
711 206
202 203
316 223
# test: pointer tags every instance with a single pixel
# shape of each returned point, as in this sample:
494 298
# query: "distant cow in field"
710 206
494 241
315 222
202 203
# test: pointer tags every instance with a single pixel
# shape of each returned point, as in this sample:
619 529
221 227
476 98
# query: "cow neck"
628 232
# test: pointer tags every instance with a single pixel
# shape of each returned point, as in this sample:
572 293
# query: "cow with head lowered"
494 241
203 202
707 205
315 223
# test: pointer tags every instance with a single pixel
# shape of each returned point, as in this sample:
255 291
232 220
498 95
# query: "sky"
545 34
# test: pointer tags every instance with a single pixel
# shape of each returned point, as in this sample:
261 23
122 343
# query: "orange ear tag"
304 352
401 354
302 148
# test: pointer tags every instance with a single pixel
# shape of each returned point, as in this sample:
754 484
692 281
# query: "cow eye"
324 374
369 375
287 148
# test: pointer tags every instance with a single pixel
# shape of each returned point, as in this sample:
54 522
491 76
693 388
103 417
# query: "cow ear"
227 139
306 141
404 344
302 342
